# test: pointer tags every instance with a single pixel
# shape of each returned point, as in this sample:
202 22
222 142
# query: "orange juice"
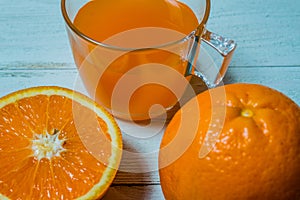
122 79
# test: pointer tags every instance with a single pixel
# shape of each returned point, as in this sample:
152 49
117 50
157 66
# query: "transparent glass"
142 71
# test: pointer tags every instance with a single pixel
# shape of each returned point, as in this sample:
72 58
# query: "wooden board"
34 50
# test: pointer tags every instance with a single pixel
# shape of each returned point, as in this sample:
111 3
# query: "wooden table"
34 50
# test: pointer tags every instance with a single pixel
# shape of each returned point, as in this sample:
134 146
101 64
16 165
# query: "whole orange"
239 141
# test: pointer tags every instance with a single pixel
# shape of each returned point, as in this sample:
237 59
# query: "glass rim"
83 36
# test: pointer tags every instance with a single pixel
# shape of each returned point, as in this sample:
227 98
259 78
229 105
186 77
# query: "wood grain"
34 51
134 192
267 32
283 78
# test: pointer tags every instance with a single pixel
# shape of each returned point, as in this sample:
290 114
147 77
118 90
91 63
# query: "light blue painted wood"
285 79
267 32
34 50
32 31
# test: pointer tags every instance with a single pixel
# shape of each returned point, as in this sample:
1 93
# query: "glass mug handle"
204 64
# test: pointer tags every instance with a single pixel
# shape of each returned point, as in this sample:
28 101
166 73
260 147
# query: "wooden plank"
267 33
126 178
285 79
18 79
32 31
134 192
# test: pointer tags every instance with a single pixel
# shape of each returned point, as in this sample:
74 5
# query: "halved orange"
56 144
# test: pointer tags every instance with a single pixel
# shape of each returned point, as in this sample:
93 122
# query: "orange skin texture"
256 155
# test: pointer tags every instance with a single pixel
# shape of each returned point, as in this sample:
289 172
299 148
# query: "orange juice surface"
122 80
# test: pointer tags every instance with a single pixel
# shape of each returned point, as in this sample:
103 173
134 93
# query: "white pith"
47 145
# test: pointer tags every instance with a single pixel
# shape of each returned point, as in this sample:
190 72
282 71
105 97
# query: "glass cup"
141 72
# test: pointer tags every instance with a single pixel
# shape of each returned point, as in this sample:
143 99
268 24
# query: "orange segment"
10 118
60 110
56 144
21 173
35 112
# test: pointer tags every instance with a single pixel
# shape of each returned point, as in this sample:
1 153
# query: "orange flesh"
102 20
68 175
